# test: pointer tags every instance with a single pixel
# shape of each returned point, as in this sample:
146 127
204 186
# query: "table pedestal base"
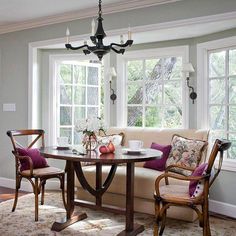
137 229
58 226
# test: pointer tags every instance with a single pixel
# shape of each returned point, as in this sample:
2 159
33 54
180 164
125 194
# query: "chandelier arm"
69 46
128 43
121 51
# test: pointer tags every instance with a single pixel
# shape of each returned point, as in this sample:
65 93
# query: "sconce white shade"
188 67
112 72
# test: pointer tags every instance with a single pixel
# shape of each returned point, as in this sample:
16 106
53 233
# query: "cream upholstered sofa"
144 177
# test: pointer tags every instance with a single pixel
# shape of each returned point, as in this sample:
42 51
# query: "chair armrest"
168 168
176 176
28 159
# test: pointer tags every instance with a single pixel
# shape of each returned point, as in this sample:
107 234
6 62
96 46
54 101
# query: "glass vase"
90 142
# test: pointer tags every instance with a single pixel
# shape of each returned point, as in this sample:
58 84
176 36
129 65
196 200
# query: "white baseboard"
26 185
222 208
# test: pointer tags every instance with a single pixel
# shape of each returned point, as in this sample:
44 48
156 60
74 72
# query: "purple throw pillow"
196 187
38 160
159 164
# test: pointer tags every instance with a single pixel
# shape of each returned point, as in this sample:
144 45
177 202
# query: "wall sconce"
187 69
112 73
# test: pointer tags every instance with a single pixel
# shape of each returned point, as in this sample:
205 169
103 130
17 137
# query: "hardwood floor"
8 193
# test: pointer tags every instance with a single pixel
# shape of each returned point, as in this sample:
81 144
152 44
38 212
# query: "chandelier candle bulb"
67 35
129 33
121 39
93 27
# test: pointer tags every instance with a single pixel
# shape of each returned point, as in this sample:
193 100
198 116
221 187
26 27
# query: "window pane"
135 116
168 67
217 135
176 72
232 90
172 117
65 74
92 96
92 75
65 116
232 62
232 150
217 91
153 92
232 118
135 70
92 112
79 113
78 137
79 74
173 93
66 94
66 132
217 64
217 117
135 93
80 95
153 69
153 117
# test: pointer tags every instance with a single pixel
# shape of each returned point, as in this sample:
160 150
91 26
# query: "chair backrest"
35 133
218 148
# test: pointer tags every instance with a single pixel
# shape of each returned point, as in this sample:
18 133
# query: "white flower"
89 125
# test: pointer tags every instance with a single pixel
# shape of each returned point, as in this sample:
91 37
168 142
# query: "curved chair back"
31 132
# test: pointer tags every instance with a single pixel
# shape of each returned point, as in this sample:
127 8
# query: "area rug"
21 222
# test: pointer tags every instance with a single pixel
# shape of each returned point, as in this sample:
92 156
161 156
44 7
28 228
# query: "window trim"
182 51
202 86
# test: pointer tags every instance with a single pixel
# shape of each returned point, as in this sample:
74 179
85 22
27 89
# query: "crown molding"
81 14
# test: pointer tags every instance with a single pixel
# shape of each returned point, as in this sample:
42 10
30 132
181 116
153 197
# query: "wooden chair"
40 175
177 195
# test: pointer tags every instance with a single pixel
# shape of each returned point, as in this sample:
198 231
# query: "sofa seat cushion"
144 184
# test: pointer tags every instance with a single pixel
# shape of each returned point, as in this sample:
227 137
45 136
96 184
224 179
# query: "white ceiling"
22 14
16 11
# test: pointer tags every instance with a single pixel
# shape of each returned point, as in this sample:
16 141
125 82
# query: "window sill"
227 165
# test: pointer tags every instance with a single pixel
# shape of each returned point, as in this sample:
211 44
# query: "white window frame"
182 51
50 116
202 86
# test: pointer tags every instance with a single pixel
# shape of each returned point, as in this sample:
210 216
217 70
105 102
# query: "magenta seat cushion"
159 164
38 160
196 187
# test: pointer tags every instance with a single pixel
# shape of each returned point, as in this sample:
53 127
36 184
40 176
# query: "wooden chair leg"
163 222
206 226
157 218
36 193
43 190
18 181
62 179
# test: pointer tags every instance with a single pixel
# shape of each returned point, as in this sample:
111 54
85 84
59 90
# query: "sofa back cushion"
160 136
185 152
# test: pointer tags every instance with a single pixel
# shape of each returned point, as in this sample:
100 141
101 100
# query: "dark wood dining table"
74 163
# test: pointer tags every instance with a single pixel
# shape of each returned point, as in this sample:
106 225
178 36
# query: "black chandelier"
100 49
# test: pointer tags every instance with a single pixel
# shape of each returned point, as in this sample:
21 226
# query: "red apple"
111 147
104 149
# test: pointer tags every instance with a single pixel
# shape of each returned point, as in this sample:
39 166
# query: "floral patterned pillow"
185 152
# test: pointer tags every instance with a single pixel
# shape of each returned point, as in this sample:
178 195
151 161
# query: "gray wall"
14 67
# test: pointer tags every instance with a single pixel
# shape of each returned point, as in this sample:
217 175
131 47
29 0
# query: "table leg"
131 229
71 217
98 184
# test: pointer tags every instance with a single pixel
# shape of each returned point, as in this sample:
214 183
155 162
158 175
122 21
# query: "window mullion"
144 94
